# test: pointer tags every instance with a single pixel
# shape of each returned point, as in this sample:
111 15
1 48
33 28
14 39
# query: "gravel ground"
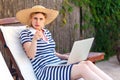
111 67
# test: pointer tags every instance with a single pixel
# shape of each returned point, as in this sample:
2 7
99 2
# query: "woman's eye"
35 18
41 18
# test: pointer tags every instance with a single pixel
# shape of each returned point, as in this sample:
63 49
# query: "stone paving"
111 67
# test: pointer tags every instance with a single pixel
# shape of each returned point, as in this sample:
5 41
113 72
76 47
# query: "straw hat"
24 15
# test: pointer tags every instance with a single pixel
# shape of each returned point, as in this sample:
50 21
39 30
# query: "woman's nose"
37 21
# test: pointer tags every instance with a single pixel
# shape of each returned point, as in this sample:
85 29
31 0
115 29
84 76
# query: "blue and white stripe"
46 55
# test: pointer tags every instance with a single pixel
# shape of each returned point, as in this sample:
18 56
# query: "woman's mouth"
37 25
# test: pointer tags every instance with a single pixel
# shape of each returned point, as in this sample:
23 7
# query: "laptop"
79 52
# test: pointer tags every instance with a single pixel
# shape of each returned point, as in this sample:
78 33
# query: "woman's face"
38 21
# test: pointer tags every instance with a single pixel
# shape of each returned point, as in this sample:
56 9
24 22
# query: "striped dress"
45 55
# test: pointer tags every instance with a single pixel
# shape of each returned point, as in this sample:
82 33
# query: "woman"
40 49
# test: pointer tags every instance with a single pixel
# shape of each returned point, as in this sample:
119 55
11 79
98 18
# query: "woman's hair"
30 23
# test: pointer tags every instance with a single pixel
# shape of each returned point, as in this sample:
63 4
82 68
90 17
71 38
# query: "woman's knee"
78 70
89 63
82 66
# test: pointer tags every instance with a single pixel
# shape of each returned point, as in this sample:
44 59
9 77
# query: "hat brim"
24 15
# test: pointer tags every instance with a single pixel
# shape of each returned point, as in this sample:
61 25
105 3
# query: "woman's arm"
62 56
31 47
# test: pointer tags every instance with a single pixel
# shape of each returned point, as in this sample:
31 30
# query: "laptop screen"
80 50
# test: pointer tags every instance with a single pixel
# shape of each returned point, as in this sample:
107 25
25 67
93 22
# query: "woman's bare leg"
99 72
81 70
